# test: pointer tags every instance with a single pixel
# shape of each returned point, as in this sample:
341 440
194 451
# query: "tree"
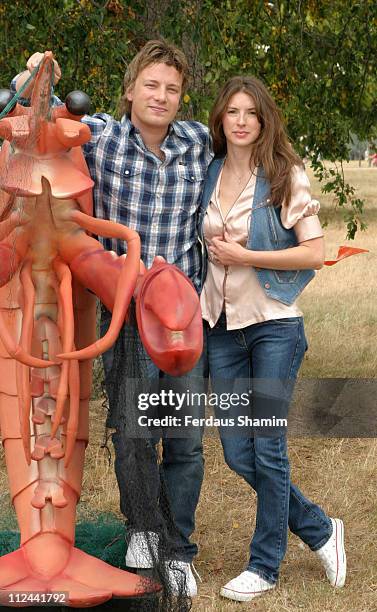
318 58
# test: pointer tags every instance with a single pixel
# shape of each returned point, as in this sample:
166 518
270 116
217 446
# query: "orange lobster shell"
47 341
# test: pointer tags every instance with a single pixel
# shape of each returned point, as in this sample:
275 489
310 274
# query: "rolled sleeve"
308 228
301 213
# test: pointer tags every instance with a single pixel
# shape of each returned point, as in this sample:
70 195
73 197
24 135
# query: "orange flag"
343 252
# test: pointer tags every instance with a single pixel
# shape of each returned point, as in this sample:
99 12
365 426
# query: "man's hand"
227 252
36 59
32 63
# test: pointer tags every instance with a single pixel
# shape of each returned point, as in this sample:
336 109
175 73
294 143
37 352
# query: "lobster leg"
28 300
126 282
14 246
10 223
74 407
65 295
17 352
65 323
24 402
10 258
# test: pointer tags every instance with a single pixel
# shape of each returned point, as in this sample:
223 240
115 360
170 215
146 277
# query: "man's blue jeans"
265 354
182 460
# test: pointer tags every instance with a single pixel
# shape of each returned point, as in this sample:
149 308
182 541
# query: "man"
148 171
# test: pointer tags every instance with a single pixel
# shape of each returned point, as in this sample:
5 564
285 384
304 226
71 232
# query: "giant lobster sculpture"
48 260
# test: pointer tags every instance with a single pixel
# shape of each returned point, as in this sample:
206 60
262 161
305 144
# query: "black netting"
144 499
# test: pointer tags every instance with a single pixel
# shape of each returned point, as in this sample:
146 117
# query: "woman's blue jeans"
265 356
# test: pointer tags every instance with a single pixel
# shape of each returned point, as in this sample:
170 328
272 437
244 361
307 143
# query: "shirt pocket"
123 181
128 172
189 189
132 172
286 276
137 189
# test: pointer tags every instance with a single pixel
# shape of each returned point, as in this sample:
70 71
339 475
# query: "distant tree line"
319 59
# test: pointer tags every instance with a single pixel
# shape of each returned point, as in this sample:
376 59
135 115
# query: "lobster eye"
5 97
78 103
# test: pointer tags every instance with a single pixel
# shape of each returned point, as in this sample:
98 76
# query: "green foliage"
318 59
344 195
92 42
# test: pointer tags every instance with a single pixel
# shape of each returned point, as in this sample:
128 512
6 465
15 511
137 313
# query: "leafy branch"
344 194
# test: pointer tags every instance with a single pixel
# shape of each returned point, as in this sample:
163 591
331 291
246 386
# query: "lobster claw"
169 319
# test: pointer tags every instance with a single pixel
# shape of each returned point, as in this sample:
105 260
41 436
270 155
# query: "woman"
263 239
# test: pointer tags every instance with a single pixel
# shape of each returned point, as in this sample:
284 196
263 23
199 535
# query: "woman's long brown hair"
272 149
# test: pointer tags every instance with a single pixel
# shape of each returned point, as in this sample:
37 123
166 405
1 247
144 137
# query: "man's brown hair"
153 52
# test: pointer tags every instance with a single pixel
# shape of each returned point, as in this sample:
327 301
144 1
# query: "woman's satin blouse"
236 289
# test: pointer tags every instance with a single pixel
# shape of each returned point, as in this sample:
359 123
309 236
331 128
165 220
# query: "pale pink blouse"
236 289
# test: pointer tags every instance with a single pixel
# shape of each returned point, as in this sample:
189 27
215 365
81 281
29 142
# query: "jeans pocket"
286 321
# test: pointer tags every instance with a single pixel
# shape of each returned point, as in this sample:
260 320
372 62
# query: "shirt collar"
127 125
180 129
176 127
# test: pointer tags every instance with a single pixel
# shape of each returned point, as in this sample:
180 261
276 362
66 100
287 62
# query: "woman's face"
240 122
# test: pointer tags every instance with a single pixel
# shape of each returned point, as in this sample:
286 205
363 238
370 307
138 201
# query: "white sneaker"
138 551
139 556
245 587
180 571
333 557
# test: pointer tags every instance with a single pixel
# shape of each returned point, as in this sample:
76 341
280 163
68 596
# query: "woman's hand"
305 256
227 252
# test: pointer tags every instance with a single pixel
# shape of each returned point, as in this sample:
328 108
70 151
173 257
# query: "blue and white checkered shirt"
158 199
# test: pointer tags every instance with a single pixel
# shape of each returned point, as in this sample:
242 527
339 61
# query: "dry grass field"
340 474
340 304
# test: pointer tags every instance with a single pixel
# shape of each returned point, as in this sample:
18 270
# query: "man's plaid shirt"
158 199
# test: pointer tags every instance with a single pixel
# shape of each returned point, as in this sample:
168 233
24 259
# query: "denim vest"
266 233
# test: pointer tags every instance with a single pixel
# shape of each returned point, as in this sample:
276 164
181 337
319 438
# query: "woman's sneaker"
332 555
245 587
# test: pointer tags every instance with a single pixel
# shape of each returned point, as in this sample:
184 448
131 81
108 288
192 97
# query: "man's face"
155 96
